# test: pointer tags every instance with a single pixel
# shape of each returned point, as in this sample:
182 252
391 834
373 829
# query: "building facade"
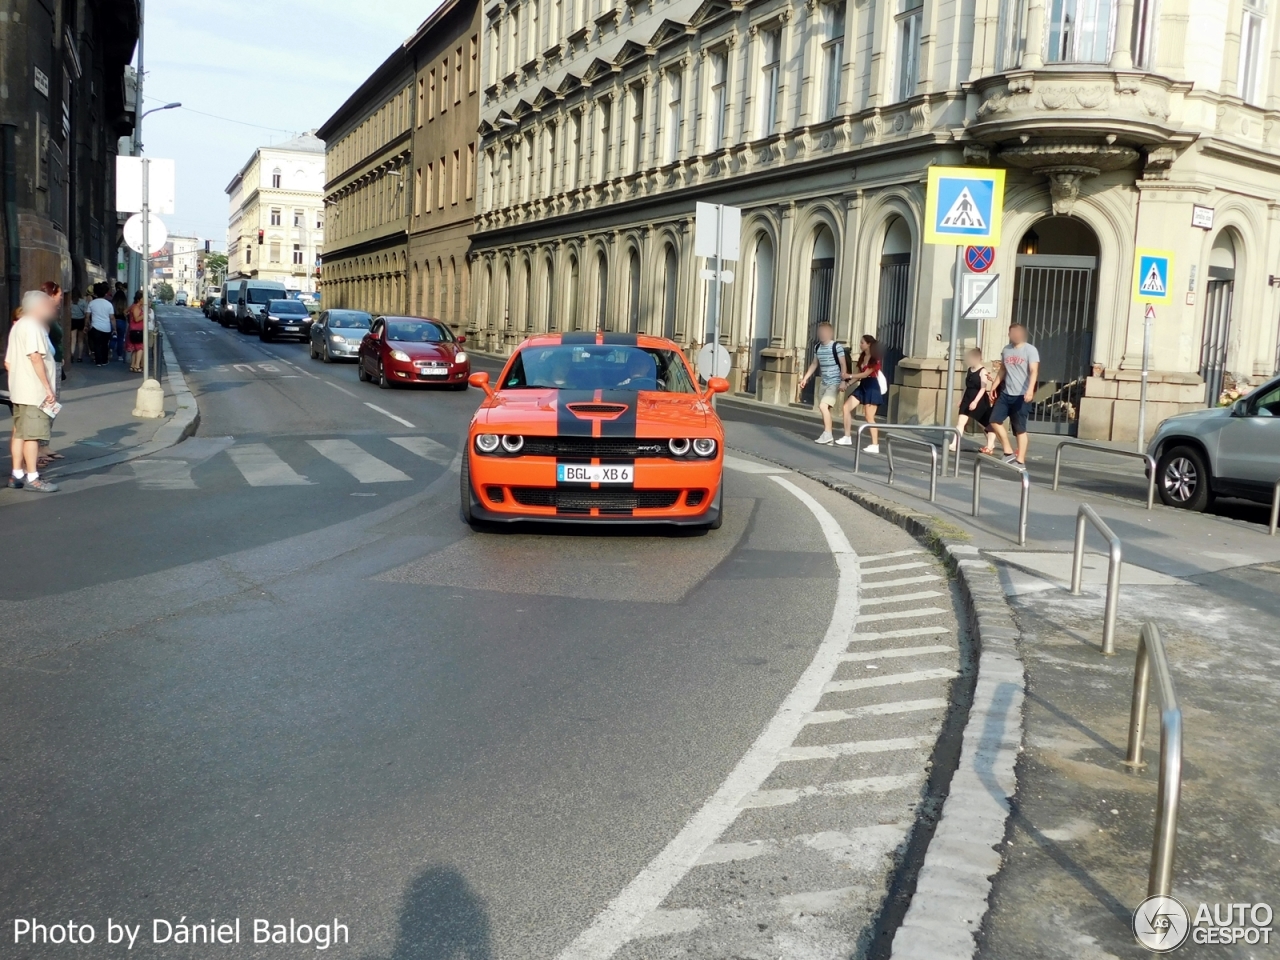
62 110
401 173
1115 119
275 226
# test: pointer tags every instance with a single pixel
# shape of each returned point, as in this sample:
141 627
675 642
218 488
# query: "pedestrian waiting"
32 375
1015 392
77 344
137 333
101 325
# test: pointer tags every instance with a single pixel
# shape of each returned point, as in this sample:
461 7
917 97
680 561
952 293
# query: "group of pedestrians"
990 399
115 328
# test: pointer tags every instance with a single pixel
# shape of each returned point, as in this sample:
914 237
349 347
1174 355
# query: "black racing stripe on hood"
578 337
624 425
621 339
569 424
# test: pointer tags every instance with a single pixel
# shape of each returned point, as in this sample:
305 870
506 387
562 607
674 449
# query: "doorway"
895 292
761 305
822 272
1218 294
670 282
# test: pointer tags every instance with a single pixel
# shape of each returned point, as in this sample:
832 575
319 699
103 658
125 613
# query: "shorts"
830 395
868 392
30 422
1012 408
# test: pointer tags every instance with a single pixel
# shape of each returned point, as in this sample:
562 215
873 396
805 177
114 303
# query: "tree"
164 293
215 267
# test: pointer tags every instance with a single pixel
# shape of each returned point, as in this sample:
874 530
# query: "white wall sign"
979 296
1202 216
160 180
704 231
42 82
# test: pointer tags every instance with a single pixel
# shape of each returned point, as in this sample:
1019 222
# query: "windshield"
349 319
262 295
233 295
287 306
599 367
417 331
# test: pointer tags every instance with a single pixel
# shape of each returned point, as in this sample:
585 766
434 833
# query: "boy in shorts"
832 364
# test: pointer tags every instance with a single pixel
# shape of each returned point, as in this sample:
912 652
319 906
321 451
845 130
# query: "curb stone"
183 423
954 881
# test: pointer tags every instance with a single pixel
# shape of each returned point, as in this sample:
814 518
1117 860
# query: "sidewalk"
1079 834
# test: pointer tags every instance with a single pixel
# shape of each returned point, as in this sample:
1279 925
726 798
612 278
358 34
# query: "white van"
254 297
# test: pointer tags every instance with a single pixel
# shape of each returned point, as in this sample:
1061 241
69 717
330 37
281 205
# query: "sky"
250 73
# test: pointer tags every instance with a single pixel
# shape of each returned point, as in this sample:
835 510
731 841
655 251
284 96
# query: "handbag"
135 336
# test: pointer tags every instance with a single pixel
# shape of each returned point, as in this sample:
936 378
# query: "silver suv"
1223 451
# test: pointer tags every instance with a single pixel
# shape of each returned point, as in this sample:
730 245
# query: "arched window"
670 291
822 271
276 178
573 320
760 304
548 306
633 291
602 290
895 294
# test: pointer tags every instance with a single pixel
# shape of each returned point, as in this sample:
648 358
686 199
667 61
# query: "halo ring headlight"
679 447
512 443
487 442
704 447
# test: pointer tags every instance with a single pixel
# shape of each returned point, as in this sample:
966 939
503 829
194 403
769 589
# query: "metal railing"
1275 509
1023 478
1151 650
933 457
1087 512
1151 464
901 428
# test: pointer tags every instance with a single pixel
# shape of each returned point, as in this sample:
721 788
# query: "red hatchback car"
403 350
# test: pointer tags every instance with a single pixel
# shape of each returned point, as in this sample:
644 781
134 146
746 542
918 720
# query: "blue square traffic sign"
964 204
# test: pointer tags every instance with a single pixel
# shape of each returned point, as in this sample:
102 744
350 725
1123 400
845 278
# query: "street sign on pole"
717 236
1152 276
964 205
158 234
979 296
1148 317
979 259
160 185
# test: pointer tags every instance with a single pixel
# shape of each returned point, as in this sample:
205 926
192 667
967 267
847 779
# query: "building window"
1079 31
431 95
637 125
444 85
549 157
471 169
457 75
417 192
426 188
495 50
770 79
275 251
297 254
1252 43
275 178
298 216
910 21
421 97
675 113
833 58
275 216
248 253
473 74
720 100
453 182
575 145
605 148
1009 51
444 183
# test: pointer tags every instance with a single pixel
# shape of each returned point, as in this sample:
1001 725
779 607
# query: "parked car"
1223 451
404 350
229 301
337 334
254 297
284 318
212 301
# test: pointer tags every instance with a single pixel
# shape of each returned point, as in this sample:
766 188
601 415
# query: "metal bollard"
1024 501
1113 572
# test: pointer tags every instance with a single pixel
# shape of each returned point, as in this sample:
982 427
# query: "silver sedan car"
336 334
1223 451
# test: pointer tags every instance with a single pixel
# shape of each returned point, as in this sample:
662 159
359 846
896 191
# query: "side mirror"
462 339
481 380
717 385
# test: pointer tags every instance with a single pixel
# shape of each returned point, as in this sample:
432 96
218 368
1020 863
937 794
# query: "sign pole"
146 270
1146 371
951 356
715 286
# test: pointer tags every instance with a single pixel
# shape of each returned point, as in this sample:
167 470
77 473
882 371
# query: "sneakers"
845 441
15 483
871 448
824 438
40 485
1010 458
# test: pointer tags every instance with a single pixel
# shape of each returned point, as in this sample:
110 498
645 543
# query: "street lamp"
167 106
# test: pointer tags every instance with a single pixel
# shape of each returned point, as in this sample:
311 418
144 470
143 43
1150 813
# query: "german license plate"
585 473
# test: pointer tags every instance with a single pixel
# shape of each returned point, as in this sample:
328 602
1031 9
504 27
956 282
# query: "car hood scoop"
594 409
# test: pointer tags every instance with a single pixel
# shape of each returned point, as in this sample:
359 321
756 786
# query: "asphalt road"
269 673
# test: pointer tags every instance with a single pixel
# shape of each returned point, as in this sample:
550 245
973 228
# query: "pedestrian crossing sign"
1152 276
964 205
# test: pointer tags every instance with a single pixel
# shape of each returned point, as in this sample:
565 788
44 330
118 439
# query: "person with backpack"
831 363
870 391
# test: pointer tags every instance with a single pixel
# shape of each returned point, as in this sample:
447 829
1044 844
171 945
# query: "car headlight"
512 443
272 317
678 447
400 355
460 357
487 442
334 338
704 447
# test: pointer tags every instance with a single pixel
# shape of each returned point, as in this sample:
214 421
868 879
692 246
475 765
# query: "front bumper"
412 371
281 328
344 350
682 493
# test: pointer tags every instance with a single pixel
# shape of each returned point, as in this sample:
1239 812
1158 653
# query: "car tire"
719 503
313 349
360 374
464 488
383 382
1183 479
325 355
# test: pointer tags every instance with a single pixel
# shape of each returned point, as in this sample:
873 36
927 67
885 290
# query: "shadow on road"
442 918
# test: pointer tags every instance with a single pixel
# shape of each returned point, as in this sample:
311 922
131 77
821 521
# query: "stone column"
1122 48
1033 55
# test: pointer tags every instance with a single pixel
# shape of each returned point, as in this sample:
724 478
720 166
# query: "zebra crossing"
791 874
294 462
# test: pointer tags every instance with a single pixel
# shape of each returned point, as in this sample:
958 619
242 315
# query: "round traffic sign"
157 235
979 259
713 361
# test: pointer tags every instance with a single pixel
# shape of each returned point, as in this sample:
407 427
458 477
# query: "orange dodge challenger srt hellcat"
595 427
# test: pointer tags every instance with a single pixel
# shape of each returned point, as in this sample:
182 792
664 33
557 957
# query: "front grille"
694 498
573 500
495 494
587 448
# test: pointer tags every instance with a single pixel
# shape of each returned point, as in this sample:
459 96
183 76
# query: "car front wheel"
1183 479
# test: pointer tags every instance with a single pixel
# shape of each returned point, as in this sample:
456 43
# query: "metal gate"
1054 298
821 282
891 324
1217 329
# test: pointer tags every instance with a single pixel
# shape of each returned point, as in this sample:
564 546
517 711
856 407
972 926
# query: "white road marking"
889 556
426 448
895 566
163 474
388 413
900 582
362 465
903 597
843 788
733 852
343 389
242 366
901 614
751 466
261 467
829 751
665 923
895 652
620 919
890 680
877 710
895 634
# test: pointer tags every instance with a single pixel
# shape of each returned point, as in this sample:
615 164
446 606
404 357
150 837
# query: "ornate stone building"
601 127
